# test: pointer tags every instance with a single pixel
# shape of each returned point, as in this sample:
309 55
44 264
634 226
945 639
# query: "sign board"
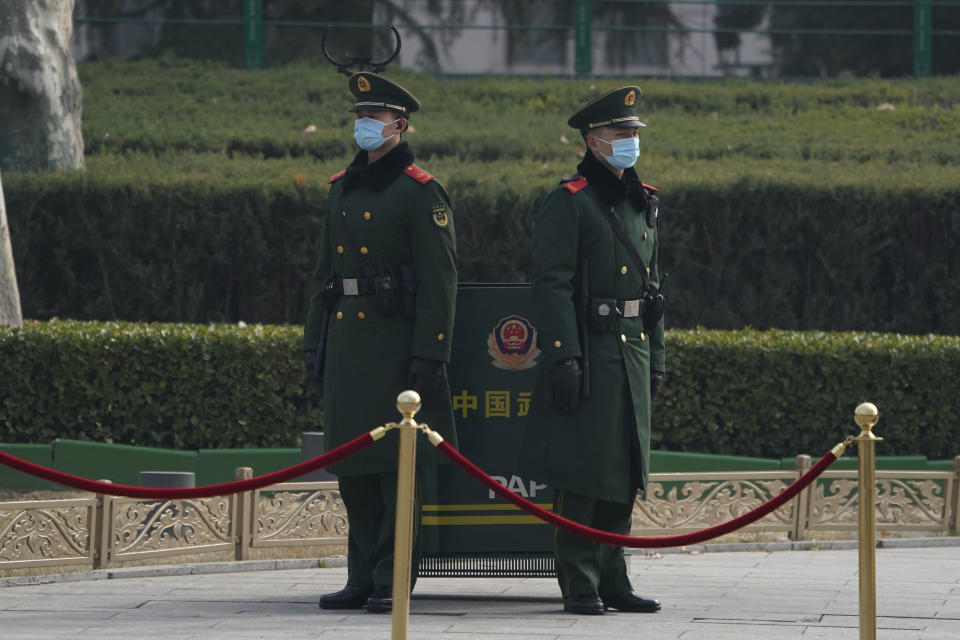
493 369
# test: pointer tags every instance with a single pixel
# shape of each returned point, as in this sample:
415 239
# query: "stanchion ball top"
408 403
866 415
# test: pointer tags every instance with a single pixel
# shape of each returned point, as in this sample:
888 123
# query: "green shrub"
790 206
766 394
194 238
207 107
176 386
813 256
776 392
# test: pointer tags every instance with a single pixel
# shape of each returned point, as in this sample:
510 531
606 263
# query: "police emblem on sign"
513 344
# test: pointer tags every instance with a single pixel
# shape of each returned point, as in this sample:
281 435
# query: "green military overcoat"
398 214
603 450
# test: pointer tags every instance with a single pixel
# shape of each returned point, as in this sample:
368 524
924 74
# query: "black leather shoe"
381 600
347 598
588 604
631 603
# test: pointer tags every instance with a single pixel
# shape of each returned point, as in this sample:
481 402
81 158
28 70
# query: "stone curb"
329 563
808 545
158 571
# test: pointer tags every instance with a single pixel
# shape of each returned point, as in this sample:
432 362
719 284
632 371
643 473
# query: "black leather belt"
603 307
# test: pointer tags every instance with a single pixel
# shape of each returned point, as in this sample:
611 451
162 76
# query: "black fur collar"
379 174
606 185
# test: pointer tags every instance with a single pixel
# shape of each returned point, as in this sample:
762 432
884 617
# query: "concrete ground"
764 594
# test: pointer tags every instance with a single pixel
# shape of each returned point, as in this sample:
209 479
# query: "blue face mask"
625 152
369 133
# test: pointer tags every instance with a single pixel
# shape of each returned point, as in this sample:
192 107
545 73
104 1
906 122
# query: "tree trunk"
9 295
40 93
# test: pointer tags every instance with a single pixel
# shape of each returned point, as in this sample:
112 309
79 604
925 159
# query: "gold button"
366 215
643 337
339 248
557 344
644 235
623 269
339 315
343 213
363 250
361 315
648 270
623 337
440 336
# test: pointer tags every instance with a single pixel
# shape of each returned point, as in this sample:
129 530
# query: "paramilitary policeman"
380 320
598 310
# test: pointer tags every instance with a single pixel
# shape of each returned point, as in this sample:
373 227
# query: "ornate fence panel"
48 532
683 502
906 500
156 528
299 514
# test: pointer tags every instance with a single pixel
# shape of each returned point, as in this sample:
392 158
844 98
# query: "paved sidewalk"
768 595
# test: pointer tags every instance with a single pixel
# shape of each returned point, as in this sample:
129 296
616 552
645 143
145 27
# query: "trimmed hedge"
174 386
798 206
772 393
191 240
206 107
751 393
195 238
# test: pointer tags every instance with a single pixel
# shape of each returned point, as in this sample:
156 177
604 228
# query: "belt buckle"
350 287
631 308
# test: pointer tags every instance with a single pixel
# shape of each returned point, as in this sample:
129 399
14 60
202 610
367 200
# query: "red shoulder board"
418 174
649 187
576 185
336 177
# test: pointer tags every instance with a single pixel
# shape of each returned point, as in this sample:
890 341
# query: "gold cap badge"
363 84
630 98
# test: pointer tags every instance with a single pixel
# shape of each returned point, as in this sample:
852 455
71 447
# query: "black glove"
656 381
314 370
423 375
564 378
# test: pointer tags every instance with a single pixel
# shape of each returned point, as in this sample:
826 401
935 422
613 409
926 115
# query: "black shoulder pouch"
653 210
603 312
329 293
653 304
386 290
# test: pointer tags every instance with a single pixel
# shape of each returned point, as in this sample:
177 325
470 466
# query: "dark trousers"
371 502
585 567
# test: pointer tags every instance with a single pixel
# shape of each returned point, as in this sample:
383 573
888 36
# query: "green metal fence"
584 27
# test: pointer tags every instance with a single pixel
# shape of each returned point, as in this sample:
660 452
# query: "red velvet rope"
629 541
223 489
365 440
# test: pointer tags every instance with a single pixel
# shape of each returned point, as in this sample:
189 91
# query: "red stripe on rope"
223 489
634 542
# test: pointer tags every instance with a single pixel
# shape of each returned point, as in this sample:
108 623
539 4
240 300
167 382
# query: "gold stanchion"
866 415
408 403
